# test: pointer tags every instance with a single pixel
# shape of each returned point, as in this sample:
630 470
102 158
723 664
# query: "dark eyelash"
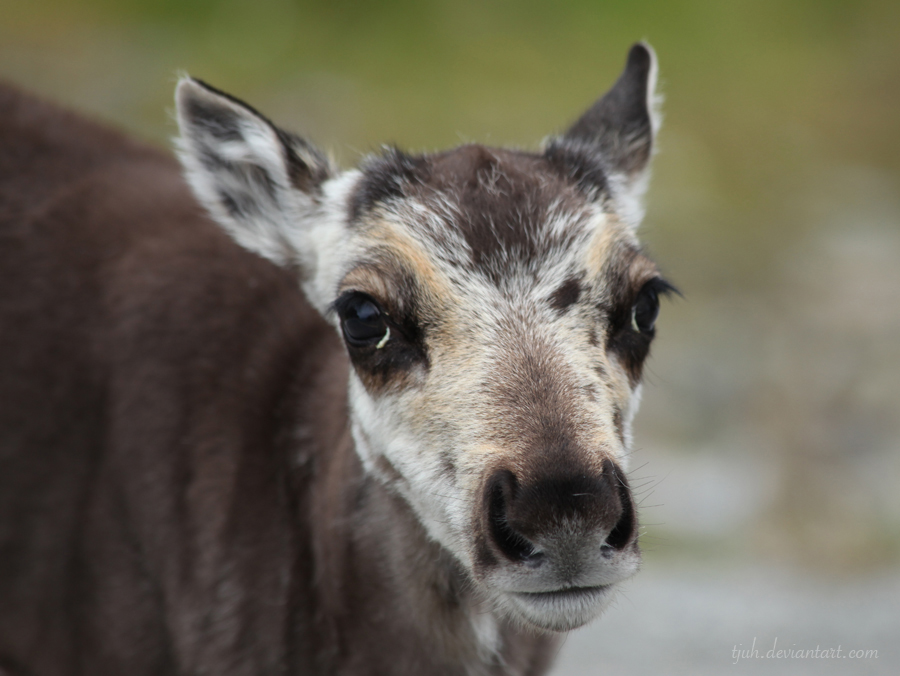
662 287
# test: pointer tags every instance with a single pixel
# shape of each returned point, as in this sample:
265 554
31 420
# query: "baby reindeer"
496 309
385 432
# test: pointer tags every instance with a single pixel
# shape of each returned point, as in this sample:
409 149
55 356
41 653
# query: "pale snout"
555 544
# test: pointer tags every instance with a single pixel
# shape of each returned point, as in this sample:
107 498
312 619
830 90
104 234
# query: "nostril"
512 544
622 533
535 559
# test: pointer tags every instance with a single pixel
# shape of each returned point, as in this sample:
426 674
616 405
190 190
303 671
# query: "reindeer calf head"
497 310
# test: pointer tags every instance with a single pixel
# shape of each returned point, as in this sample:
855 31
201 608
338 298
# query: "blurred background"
768 446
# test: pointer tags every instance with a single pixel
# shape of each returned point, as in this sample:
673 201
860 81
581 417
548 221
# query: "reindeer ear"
255 179
615 136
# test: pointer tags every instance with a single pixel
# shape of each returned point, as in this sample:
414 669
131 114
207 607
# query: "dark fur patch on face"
406 316
499 200
631 345
566 295
386 177
503 199
388 367
632 348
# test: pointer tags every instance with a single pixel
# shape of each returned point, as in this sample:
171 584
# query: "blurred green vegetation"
774 205
760 95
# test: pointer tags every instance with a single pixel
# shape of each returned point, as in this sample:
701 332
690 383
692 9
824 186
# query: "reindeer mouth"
569 593
562 609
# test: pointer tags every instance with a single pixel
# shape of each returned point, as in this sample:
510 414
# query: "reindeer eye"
363 322
645 309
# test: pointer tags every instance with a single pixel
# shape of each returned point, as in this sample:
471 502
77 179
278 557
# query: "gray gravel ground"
680 621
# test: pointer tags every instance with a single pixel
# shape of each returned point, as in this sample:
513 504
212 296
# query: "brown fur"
178 488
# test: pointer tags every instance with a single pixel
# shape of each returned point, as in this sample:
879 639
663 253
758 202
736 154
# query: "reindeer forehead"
489 211
477 216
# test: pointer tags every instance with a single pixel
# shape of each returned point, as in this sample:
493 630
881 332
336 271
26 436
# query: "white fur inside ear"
628 196
237 167
628 191
654 97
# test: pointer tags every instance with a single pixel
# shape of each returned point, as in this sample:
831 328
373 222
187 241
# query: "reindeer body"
188 485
